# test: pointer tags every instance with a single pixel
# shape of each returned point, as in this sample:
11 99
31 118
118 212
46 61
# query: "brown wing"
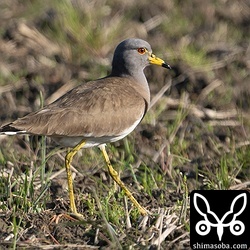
99 108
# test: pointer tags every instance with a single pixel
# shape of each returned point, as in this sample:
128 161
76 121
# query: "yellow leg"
116 178
68 160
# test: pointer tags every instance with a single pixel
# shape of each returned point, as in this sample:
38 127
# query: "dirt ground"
198 126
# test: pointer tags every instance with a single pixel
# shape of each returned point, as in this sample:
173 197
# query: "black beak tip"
165 65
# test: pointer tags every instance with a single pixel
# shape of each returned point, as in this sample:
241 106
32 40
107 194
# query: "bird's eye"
141 51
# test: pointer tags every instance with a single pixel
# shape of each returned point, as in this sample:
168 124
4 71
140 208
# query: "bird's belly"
92 141
89 141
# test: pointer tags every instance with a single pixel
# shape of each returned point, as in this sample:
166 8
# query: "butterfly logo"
210 219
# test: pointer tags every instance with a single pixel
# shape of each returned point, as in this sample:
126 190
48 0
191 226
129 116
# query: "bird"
97 112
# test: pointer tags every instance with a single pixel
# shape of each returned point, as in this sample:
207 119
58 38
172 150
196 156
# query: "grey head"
131 56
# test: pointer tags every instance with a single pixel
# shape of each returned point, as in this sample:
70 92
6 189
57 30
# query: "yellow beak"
157 61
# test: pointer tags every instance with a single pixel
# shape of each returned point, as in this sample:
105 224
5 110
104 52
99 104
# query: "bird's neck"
141 83
132 72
